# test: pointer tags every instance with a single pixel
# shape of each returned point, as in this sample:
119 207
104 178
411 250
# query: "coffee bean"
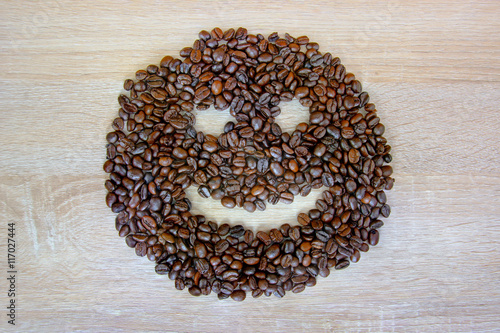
202 93
273 251
258 189
276 169
180 153
354 155
303 219
162 269
237 231
251 261
301 92
373 237
279 292
262 165
222 246
202 266
230 275
195 56
201 250
228 202
238 295
286 198
385 210
195 291
218 54
300 278
140 249
327 179
276 235
342 264
350 185
298 288
249 206
149 223
203 191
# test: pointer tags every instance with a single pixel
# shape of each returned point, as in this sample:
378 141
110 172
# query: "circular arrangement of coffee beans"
155 153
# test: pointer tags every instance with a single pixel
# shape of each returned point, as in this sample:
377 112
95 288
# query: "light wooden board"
431 67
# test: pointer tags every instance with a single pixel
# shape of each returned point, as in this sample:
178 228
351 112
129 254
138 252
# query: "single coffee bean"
373 237
273 251
228 202
303 219
238 295
195 291
249 206
276 169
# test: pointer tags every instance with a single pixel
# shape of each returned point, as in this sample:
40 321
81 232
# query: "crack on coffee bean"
155 153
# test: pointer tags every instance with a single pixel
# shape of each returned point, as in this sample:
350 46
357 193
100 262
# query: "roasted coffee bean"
162 269
264 238
276 169
276 235
201 250
249 206
273 251
385 210
195 291
237 231
222 246
228 202
203 191
154 153
342 264
303 219
373 237
238 295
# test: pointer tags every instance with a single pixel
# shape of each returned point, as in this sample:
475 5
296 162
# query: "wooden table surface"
431 67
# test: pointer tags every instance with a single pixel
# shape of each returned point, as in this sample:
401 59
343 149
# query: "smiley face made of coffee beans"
155 153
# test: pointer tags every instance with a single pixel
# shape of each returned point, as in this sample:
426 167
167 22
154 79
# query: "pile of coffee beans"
155 153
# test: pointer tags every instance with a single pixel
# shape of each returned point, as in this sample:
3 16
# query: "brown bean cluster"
155 153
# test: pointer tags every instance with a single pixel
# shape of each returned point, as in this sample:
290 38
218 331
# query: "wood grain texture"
431 67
